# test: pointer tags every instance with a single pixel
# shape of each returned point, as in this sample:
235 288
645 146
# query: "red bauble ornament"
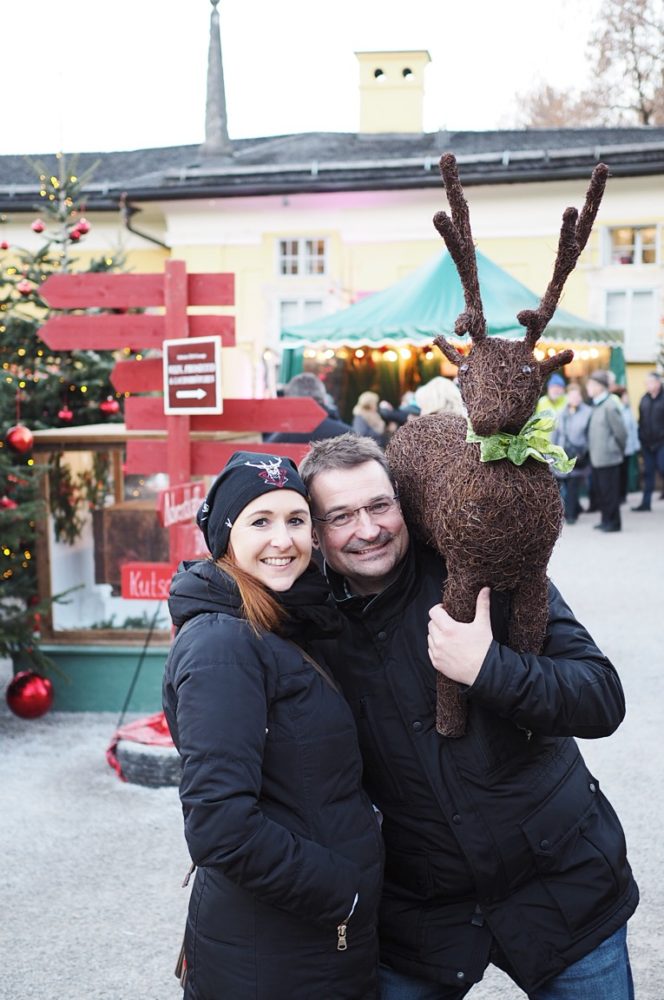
4 245
66 414
29 695
20 438
24 287
74 234
38 226
109 405
83 226
7 503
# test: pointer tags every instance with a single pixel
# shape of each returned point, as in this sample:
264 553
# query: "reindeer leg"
529 614
459 600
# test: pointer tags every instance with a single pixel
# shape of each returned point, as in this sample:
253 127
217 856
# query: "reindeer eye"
463 368
526 369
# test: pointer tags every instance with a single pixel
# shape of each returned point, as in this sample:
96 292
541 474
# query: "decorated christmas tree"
41 389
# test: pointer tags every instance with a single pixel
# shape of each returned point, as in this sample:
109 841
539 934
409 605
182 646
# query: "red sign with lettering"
192 375
189 543
180 504
145 581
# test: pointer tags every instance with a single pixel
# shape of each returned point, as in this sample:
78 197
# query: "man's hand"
458 649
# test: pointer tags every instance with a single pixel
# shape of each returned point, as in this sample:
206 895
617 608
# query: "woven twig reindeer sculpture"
495 522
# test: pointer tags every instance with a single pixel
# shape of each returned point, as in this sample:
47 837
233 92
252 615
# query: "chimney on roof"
392 90
216 142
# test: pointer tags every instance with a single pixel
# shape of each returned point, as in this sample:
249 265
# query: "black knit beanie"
245 476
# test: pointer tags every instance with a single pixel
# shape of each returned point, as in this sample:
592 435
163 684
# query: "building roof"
342 161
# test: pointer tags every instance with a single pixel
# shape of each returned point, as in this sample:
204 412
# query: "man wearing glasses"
500 846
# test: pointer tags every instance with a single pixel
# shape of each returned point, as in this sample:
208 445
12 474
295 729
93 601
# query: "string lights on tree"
41 389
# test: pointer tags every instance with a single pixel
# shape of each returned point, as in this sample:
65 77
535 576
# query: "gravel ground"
91 866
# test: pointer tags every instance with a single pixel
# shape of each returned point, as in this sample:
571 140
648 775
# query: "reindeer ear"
451 353
557 361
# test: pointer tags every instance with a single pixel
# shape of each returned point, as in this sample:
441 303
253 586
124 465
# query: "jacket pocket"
552 828
579 850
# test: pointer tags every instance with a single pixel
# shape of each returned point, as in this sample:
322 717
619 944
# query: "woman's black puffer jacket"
275 816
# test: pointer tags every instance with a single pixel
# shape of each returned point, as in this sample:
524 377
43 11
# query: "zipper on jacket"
342 943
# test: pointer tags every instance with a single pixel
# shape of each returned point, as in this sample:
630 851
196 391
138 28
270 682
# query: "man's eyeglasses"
375 510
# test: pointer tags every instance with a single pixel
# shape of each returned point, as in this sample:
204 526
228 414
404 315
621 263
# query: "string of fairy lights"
28 364
392 355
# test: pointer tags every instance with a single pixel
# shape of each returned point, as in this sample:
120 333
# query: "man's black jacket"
500 845
651 420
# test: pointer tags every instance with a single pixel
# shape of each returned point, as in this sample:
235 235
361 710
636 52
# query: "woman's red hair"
260 608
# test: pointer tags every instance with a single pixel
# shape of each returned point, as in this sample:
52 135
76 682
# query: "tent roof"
427 302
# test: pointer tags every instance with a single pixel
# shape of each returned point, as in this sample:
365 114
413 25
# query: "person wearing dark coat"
500 845
651 436
286 842
308 384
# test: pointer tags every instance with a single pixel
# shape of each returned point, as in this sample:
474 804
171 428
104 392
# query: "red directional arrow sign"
296 413
135 331
130 291
207 457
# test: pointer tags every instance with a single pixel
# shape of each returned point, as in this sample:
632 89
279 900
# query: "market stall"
384 341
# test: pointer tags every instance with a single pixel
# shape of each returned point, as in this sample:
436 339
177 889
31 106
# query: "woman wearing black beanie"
286 842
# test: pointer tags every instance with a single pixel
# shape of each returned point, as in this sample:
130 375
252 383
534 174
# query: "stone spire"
216 142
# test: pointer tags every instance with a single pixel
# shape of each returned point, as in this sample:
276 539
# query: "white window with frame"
294 311
303 258
634 311
635 245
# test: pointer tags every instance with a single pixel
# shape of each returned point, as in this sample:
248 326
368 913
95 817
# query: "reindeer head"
501 380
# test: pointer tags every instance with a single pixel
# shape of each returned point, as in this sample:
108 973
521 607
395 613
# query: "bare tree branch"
626 53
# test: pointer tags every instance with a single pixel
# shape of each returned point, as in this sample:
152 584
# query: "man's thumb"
483 605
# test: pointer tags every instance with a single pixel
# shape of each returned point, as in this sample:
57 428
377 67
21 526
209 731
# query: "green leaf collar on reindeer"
532 441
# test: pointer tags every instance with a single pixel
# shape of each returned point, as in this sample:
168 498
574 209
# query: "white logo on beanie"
271 472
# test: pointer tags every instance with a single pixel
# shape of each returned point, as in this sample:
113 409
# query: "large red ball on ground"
29 695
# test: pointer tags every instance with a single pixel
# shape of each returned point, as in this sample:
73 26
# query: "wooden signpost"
188 376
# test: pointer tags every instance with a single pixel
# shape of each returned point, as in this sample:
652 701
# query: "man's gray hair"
344 452
306 384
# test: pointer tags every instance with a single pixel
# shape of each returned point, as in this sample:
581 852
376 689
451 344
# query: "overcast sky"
83 75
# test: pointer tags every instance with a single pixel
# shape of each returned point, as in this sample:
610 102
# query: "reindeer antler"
574 234
459 241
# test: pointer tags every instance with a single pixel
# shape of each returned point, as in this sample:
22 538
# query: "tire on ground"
152 766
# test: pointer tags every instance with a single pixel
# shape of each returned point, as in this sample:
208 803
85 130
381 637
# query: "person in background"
554 398
287 843
367 419
651 436
571 433
396 417
607 436
308 384
439 395
628 469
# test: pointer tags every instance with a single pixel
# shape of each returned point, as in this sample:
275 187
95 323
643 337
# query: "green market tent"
427 302
415 310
